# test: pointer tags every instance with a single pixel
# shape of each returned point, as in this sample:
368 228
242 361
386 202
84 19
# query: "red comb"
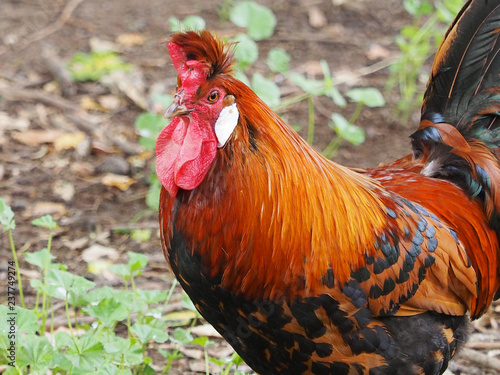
191 72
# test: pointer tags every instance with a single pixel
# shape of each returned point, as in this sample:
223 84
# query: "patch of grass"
107 331
417 43
94 65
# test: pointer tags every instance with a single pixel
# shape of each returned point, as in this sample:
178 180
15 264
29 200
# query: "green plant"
35 346
94 65
417 42
8 223
188 23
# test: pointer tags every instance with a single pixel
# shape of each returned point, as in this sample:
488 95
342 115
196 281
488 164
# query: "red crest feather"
213 56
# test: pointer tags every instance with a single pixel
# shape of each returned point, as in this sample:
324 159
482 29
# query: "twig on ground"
84 121
56 67
52 28
483 345
481 359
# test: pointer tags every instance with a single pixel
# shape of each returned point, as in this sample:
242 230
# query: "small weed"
417 42
93 66
36 347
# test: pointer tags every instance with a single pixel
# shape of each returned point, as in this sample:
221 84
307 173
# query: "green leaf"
162 99
258 19
311 86
35 352
187 303
109 311
266 89
329 87
37 285
246 51
110 369
181 336
145 333
202 341
240 76
236 359
63 284
6 216
190 23
153 194
46 222
152 296
63 365
170 356
141 235
93 66
122 270
369 96
88 356
125 297
133 268
137 261
63 339
346 130
97 295
25 320
278 60
316 87
149 125
39 258
127 350
409 31
418 8
336 96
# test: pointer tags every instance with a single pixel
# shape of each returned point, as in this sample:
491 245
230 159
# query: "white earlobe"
227 121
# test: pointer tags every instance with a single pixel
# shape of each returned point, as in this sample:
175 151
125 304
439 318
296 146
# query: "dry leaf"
110 102
64 189
79 243
99 258
205 330
194 354
131 39
100 45
99 252
52 208
37 137
119 181
139 161
69 141
199 367
377 52
179 318
13 123
82 169
317 18
130 84
89 104
52 87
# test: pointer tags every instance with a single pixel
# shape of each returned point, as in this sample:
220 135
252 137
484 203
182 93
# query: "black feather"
467 66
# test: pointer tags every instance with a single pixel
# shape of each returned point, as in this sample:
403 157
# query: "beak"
177 109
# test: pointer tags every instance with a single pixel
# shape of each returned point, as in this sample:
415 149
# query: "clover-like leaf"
259 20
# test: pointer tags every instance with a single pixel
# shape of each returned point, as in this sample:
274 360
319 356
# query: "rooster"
308 267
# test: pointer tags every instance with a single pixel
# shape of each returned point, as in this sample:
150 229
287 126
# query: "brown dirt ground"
31 176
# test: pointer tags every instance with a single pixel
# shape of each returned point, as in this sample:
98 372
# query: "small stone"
114 164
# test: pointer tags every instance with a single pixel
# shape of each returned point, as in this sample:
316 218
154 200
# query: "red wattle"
185 149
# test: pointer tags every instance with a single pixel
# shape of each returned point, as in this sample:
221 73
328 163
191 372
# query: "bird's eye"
214 95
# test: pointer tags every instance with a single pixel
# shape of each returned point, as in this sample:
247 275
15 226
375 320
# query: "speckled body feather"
308 267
